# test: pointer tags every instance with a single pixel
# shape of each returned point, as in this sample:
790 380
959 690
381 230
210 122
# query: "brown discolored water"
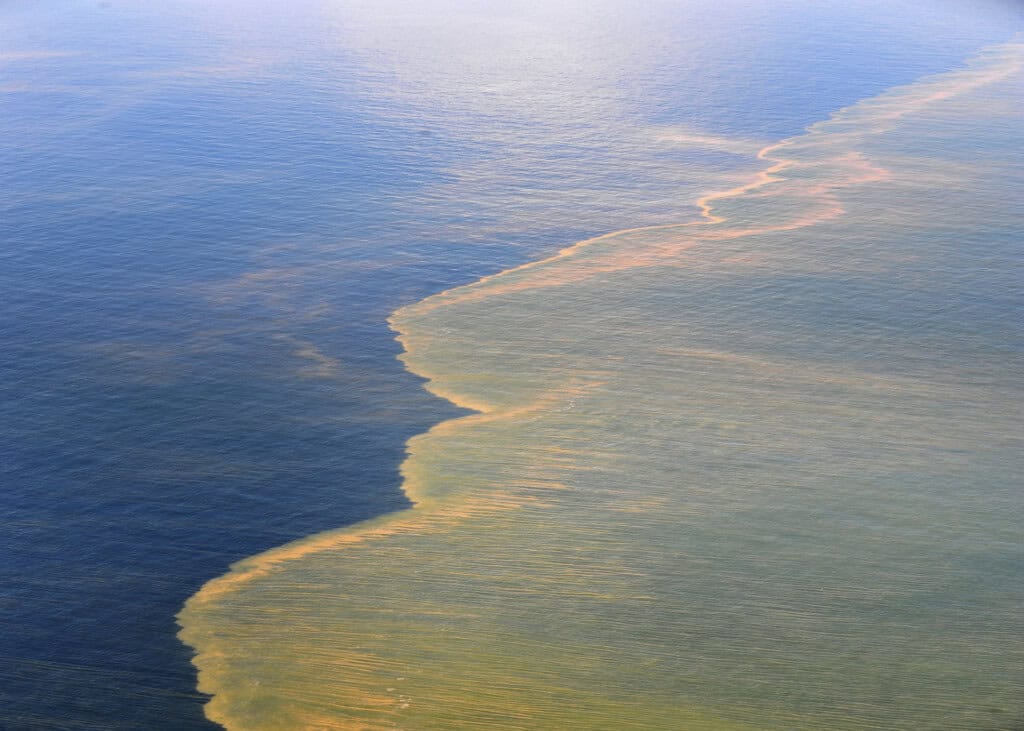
759 471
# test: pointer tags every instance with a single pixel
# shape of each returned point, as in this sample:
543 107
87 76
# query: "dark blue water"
207 213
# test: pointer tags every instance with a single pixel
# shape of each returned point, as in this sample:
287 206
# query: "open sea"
509 365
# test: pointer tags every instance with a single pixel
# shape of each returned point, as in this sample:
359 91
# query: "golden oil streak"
823 203
425 516
861 171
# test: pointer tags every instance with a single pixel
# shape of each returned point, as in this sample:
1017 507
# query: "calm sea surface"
210 210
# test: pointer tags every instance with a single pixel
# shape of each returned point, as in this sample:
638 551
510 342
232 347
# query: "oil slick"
754 472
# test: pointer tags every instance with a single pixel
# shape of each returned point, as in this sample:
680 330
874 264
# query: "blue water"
207 213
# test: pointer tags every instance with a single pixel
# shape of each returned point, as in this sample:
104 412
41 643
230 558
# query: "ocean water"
752 473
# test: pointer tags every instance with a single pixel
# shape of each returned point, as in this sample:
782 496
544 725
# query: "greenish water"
754 472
